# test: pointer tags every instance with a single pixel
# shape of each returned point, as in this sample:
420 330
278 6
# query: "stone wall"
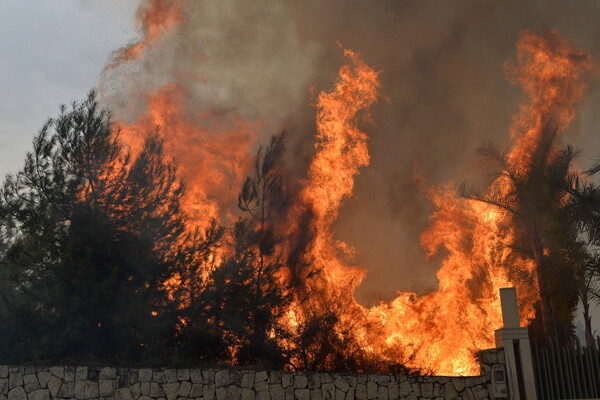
45 383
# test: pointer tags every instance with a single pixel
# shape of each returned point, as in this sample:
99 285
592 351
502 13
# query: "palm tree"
536 192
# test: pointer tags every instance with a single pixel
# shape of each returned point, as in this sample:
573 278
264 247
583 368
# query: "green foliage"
95 231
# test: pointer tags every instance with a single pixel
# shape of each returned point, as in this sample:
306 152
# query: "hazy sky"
52 54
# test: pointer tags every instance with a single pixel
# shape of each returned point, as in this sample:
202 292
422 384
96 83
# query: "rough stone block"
145 388
467 394
404 389
91 390
59 372
69 374
339 395
235 377
247 394
183 374
300 381
67 390
171 389
427 389
155 390
261 386
248 380
54 384
341 384
459 384
383 378
136 390
302 394
43 378
31 383
145 398
221 393
234 393
185 388
123 394
328 391
275 377
479 392
350 394
145 375
382 393
277 392
106 387
315 394
81 374
263 396
3 371
473 381
108 373
159 377
221 378
438 390
79 390
15 379
289 393
261 376
171 375
314 381
196 390
362 379
196 376
208 376
325 378
361 391
287 380
17 393
416 388
351 380
450 392
209 392
40 394
3 385
371 390
489 357
393 390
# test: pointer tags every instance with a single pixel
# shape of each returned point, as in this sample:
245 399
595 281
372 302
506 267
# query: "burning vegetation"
158 237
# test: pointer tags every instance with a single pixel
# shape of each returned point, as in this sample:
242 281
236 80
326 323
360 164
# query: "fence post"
515 341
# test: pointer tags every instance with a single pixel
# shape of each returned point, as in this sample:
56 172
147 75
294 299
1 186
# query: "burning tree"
536 181
96 233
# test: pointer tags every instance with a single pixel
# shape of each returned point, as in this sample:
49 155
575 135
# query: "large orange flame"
154 18
341 151
439 331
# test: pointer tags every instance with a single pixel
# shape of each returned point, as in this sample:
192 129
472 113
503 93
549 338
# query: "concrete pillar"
515 341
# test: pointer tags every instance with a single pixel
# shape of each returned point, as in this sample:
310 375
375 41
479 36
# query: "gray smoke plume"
443 85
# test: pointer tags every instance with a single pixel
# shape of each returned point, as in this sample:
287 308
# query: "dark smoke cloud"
443 83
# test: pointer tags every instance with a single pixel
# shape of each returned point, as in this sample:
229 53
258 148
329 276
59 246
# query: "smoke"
442 74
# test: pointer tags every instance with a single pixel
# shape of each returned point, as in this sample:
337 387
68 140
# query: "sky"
52 53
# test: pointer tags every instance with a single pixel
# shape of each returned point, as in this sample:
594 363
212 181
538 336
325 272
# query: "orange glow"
154 18
212 155
438 332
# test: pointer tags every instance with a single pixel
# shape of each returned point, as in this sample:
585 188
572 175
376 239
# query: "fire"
439 331
341 151
154 18
213 155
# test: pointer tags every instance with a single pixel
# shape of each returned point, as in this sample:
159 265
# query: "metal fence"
563 372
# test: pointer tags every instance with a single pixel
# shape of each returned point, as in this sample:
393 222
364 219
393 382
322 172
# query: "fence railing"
566 372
